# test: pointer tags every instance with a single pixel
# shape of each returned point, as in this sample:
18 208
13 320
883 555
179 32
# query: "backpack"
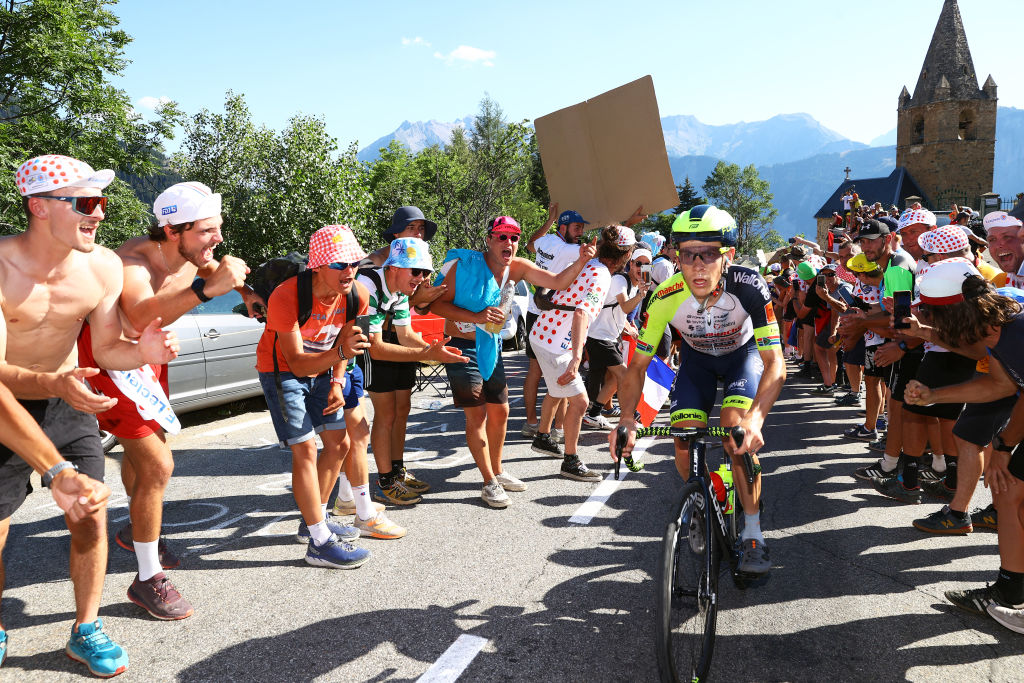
265 278
629 288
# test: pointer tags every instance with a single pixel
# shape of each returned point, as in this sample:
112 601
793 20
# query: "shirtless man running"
160 271
53 277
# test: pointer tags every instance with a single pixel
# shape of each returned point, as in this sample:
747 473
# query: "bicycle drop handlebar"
737 434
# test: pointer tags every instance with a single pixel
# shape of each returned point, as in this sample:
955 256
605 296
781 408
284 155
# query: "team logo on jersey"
669 291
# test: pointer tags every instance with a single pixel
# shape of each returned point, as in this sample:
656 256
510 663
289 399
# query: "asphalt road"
521 593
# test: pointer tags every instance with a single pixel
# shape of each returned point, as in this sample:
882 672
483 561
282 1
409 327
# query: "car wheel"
108 440
520 335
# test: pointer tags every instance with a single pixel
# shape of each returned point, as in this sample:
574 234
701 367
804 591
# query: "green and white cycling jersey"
743 312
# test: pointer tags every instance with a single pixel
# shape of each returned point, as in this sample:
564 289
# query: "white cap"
942 284
184 203
55 171
626 238
1000 219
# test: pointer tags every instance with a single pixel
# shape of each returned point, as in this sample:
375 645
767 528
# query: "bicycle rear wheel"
687 604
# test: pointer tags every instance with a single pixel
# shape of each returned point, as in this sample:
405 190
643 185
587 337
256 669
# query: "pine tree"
688 197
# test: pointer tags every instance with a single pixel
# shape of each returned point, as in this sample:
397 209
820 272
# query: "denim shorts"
304 401
353 386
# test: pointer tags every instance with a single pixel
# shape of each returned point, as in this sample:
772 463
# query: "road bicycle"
701 530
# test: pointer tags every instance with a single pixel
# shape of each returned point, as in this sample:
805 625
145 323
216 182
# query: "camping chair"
430 373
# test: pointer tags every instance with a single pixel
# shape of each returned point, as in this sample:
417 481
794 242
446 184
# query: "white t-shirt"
870 295
847 198
661 269
553 255
553 329
610 321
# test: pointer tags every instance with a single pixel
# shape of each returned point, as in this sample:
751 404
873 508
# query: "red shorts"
123 420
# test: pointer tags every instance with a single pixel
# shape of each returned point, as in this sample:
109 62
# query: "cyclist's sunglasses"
503 236
84 206
341 266
706 255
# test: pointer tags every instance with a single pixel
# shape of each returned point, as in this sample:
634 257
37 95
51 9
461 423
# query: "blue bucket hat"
404 215
409 252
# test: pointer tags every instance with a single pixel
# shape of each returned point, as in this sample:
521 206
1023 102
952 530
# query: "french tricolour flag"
657 385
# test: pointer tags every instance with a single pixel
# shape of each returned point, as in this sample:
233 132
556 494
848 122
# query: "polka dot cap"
944 240
54 171
334 244
912 216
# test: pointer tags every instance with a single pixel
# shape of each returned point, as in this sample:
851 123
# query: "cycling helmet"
706 223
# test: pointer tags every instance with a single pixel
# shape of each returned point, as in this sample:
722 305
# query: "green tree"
662 222
688 197
57 58
747 198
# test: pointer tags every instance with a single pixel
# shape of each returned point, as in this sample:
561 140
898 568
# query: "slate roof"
948 66
890 190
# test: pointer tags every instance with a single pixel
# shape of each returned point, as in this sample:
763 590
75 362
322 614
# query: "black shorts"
980 422
531 318
468 386
1016 465
821 339
386 375
602 355
903 371
76 436
855 356
872 370
941 369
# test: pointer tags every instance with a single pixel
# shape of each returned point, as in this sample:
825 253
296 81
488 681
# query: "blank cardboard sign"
606 156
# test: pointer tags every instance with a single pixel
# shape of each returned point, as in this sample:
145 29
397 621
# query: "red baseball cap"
504 224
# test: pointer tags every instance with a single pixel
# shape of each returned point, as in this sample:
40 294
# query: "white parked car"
514 331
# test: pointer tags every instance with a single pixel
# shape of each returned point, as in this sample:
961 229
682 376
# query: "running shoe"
1010 617
411 482
91 646
335 554
345 532
937 489
824 390
379 526
348 507
848 400
985 518
614 411
926 473
598 422
573 468
944 522
158 596
859 433
168 560
874 472
510 483
494 495
529 430
543 443
754 557
396 494
879 445
892 487
3 646
557 435
881 424
978 600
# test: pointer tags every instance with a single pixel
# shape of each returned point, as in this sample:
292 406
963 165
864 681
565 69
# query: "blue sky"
365 67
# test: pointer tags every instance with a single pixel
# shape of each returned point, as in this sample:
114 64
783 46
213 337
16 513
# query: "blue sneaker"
881 425
3 646
345 532
94 648
336 554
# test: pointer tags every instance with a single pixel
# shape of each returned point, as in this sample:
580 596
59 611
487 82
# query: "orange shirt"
319 332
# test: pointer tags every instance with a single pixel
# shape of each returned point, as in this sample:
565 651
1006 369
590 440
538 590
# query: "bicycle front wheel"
687 603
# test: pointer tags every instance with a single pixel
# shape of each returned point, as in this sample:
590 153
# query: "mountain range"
802 160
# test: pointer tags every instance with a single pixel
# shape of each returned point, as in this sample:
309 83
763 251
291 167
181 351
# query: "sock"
910 472
148 556
398 464
889 463
344 487
951 469
319 531
752 527
364 506
1011 586
323 510
594 410
386 479
938 463
962 514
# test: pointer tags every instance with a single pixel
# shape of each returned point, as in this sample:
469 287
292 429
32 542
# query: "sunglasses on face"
506 236
706 255
419 272
341 266
83 205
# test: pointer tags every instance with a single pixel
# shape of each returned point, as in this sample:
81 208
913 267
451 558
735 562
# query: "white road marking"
237 427
454 661
227 522
586 512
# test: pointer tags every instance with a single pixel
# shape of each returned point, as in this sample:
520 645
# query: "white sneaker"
557 435
494 495
529 430
510 483
599 422
1010 617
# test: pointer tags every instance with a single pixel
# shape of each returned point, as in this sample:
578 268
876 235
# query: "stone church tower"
946 132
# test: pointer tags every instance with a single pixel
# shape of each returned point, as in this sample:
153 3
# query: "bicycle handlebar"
737 434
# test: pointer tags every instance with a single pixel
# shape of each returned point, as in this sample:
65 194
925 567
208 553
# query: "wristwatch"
197 287
55 470
1000 445
903 346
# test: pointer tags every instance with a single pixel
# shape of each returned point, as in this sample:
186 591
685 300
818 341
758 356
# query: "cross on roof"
847 172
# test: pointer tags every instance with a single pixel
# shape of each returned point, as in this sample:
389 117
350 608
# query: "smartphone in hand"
901 309
363 323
